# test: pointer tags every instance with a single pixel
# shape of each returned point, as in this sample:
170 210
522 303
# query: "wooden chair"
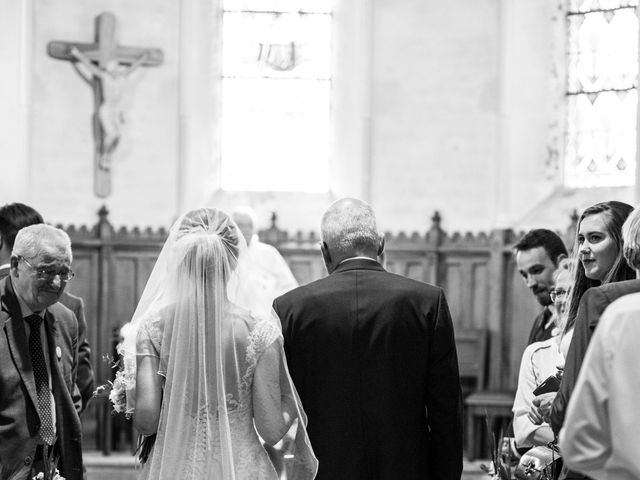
471 346
486 408
481 406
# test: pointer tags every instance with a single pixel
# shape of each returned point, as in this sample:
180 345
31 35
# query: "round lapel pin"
59 352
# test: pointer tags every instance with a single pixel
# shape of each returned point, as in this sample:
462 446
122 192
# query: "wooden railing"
477 271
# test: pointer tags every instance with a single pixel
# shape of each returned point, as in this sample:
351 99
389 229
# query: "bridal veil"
216 358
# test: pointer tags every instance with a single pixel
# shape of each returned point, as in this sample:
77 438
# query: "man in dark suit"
373 357
39 422
538 254
13 217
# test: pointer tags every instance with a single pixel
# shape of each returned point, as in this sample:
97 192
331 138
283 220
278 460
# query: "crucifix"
108 68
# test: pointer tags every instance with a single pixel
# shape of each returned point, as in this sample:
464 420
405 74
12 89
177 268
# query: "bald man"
373 357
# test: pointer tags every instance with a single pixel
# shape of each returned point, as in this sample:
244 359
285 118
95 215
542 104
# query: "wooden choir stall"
492 309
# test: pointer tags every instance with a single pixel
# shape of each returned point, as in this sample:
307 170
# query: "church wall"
456 107
435 112
464 100
60 139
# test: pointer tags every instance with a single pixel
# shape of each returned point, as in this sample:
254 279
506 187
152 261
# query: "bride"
209 379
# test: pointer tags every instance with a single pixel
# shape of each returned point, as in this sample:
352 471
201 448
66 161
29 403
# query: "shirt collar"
355 258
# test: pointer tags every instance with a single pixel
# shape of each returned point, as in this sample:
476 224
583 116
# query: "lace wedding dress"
221 372
249 337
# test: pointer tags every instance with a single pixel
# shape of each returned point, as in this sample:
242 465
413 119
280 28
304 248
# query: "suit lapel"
54 341
11 316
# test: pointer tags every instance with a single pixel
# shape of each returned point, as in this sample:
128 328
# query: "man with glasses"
40 402
538 254
13 217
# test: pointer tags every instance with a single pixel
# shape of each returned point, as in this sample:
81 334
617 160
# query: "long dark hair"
615 213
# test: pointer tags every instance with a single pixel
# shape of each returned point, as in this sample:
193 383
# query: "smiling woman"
598 247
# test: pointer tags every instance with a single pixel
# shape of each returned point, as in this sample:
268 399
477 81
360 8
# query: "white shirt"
601 431
268 276
540 360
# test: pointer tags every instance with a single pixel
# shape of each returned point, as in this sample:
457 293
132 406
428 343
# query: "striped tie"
42 379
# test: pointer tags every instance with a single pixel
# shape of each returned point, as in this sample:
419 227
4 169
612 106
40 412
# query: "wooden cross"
107 66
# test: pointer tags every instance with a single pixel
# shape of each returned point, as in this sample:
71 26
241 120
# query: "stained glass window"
276 95
602 93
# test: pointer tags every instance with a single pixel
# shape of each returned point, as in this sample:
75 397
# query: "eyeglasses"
47 273
558 294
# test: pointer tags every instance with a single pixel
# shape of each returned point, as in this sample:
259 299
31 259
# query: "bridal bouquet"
56 476
117 389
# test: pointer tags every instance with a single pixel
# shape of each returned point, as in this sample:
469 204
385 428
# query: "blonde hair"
565 267
631 239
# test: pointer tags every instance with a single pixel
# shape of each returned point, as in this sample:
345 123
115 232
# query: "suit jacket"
538 333
85 370
84 379
373 357
592 304
19 420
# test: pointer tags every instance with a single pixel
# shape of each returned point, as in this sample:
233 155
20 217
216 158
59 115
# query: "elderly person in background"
39 404
600 433
373 357
263 265
540 361
13 217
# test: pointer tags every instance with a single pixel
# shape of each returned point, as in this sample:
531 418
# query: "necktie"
42 379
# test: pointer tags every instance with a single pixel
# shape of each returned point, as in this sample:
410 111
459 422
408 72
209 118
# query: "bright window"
602 93
276 95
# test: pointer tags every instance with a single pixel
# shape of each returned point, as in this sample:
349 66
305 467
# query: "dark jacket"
85 370
373 357
19 420
592 304
85 380
538 331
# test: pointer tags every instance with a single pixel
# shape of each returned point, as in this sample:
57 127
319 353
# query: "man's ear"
381 245
14 264
326 255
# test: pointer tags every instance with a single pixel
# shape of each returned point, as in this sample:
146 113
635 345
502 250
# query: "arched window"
276 90
602 93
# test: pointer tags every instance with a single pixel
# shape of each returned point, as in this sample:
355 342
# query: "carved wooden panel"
481 282
305 266
520 313
410 264
466 284
477 272
85 285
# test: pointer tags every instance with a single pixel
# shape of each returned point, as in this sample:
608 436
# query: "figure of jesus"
116 87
